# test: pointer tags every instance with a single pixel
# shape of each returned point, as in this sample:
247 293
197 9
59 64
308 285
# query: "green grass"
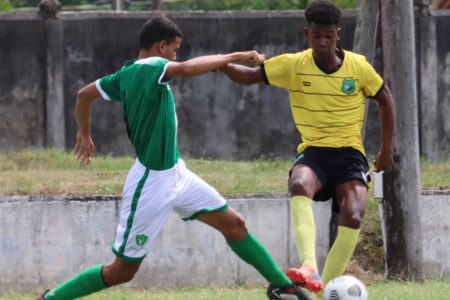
392 290
56 172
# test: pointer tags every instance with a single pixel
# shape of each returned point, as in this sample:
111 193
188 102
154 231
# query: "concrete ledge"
435 227
45 240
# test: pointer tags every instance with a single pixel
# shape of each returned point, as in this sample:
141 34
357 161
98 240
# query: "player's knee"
237 231
114 275
298 186
352 219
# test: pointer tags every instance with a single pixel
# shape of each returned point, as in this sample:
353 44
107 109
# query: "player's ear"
161 46
338 33
305 32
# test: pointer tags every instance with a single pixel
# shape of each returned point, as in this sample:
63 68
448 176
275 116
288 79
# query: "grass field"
55 172
392 290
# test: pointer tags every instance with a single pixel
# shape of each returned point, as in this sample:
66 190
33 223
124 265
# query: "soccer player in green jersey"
327 89
159 181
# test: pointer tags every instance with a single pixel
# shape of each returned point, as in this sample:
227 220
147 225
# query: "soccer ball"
345 288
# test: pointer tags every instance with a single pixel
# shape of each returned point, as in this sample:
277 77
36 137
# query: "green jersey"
148 108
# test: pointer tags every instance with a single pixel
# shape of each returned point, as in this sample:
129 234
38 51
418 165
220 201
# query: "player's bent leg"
340 254
87 282
352 202
245 245
93 279
119 271
303 181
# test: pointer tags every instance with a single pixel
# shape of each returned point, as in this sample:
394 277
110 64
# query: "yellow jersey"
328 109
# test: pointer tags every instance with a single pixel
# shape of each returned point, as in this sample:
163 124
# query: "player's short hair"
323 12
158 29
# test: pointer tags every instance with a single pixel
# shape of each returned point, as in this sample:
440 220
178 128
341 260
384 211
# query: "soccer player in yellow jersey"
327 89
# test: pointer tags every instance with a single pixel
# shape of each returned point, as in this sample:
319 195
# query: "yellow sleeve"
372 81
279 70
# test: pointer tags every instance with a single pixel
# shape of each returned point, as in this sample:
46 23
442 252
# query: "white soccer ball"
345 288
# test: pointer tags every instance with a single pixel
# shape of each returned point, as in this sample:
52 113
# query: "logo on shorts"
366 177
141 239
348 86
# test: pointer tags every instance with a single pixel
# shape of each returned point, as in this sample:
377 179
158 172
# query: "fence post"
55 126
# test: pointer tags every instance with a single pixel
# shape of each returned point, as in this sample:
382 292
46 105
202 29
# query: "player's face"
170 49
322 39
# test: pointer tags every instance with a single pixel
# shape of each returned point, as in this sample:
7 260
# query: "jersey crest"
348 86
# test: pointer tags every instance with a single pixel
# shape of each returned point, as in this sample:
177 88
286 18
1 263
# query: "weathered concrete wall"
218 119
435 228
443 71
22 80
45 240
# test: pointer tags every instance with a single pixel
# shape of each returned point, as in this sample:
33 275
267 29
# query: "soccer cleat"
306 277
42 296
289 292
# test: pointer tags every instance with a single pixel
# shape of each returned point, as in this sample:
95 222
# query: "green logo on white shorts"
141 239
348 86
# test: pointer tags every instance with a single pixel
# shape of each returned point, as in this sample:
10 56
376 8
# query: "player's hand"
252 58
84 149
384 161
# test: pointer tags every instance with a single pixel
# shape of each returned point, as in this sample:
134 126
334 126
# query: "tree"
401 185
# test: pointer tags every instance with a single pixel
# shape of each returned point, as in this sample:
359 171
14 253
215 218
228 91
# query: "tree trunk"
156 4
401 185
366 36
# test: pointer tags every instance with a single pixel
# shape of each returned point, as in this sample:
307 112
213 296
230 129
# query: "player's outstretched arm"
204 64
384 159
84 148
242 74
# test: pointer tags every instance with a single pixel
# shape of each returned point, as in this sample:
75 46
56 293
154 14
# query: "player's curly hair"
323 12
158 29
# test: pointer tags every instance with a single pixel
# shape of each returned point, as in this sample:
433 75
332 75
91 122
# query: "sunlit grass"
56 172
384 290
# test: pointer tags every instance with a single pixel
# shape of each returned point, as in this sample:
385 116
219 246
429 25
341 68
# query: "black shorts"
334 166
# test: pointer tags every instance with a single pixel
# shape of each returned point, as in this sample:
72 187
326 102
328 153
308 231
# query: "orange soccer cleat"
306 277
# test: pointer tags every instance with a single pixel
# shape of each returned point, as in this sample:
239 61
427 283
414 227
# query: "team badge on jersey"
348 86
141 239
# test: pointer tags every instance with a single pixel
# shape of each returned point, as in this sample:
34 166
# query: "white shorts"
148 199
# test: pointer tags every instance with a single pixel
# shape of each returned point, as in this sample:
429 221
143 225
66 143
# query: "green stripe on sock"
252 252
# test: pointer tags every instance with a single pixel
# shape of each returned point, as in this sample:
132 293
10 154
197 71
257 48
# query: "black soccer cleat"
289 292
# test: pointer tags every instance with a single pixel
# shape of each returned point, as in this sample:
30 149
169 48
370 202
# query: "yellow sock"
340 253
302 218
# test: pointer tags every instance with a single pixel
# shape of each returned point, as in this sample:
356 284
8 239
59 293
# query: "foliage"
248 4
6 5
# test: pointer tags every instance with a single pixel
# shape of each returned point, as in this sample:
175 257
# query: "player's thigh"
196 197
304 181
352 199
145 209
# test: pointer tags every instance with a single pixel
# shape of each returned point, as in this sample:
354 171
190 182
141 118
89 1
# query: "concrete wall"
22 82
46 240
435 228
46 61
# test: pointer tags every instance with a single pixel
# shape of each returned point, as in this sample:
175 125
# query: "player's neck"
331 63
146 53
